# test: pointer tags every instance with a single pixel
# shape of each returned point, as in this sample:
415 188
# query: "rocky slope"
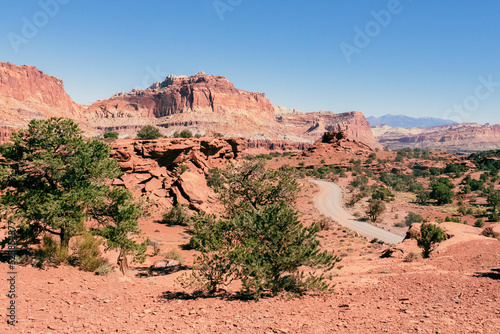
457 138
27 93
205 103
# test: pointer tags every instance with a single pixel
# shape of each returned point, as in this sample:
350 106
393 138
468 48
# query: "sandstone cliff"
457 138
170 171
27 93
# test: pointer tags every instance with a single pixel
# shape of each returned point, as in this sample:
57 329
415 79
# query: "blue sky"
414 57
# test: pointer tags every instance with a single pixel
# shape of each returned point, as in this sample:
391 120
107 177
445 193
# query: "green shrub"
88 255
383 194
183 134
177 215
110 135
50 253
430 235
174 255
261 243
479 223
149 132
413 217
494 217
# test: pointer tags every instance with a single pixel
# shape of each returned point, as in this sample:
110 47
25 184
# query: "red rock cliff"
176 95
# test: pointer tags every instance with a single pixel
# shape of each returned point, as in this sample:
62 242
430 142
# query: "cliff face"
314 124
169 171
27 93
177 95
458 138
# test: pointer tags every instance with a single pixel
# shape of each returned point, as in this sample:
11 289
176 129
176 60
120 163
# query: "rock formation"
457 138
170 171
27 93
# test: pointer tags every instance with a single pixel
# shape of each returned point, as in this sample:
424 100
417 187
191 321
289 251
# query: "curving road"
329 203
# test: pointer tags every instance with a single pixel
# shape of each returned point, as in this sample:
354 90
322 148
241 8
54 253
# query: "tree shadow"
153 272
493 274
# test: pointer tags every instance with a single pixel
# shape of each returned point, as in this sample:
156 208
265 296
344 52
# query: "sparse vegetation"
262 243
149 132
110 135
429 236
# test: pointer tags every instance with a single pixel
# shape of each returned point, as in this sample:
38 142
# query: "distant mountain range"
402 121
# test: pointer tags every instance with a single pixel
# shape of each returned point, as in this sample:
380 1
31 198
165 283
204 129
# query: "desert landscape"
232 202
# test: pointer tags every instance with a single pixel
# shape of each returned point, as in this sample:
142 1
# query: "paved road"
329 203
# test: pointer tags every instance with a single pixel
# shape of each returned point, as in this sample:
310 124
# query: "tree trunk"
123 262
64 238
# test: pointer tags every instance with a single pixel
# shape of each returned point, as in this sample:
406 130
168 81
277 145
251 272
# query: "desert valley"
386 229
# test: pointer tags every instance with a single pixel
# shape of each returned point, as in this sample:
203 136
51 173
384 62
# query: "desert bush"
50 252
494 217
412 256
488 232
104 269
383 194
183 134
375 209
87 252
413 217
442 191
479 223
149 132
110 135
261 243
430 235
452 219
177 215
174 255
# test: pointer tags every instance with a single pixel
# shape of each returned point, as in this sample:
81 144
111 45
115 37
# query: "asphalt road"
329 203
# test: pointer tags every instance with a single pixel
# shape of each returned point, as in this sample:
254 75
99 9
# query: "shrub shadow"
153 272
493 274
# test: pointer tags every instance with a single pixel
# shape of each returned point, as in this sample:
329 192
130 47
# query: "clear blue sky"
421 61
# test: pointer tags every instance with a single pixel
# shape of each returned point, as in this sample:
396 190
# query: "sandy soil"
455 291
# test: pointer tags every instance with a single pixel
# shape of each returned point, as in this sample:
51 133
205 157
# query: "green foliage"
88 256
430 235
398 182
360 181
413 217
261 243
183 134
383 194
494 217
149 132
423 196
442 191
50 252
453 220
494 199
251 185
53 180
375 209
118 223
456 169
177 215
479 223
110 135
174 255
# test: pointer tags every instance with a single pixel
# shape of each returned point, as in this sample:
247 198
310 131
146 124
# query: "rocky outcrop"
314 124
337 143
457 138
202 101
170 171
276 145
27 93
